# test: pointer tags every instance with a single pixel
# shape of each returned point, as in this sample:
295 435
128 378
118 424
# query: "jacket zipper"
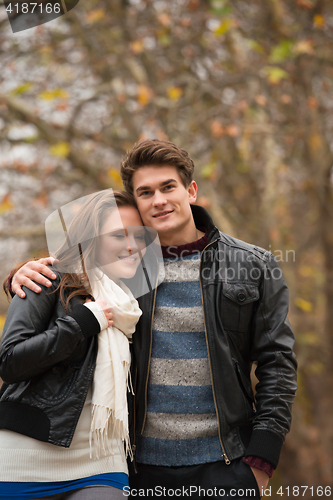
225 457
134 423
151 340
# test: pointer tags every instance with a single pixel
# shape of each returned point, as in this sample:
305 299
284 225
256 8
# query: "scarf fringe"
112 433
105 427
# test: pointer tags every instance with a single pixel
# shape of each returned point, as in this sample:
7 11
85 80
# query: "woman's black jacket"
47 359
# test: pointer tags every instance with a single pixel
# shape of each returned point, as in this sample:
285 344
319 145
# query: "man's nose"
159 199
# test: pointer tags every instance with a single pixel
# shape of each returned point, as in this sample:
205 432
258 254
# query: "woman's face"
121 243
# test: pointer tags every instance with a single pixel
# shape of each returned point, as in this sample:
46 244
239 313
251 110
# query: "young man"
222 306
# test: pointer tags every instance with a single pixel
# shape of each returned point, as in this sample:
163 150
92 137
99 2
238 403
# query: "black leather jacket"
245 302
47 359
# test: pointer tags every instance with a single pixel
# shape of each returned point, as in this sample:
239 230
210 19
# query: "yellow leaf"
305 305
144 94
22 89
137 46
209 171
95 15
307 271
309 338
61 149
2 321
304 47
254 45
50 95
45 49
224 27
315 142
6 204
275 74
174 93
115 176
315 368
319 21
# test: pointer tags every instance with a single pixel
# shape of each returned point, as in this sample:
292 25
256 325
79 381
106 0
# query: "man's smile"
163 214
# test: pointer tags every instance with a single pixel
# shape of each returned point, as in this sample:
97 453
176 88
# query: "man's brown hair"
159 153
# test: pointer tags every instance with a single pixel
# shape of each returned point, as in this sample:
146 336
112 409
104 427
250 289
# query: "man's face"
163 200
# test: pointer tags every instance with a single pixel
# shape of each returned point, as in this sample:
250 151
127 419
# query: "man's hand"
33 270
262 479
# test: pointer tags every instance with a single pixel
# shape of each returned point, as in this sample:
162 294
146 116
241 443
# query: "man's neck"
181 238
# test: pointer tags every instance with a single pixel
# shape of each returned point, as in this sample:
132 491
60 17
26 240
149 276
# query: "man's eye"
144 193
169 186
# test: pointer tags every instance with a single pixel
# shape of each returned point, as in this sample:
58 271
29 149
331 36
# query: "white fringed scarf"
112 376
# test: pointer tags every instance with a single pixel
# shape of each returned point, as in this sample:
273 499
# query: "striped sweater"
181 425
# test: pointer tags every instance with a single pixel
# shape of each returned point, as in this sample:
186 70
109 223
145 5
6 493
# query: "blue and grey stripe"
181 425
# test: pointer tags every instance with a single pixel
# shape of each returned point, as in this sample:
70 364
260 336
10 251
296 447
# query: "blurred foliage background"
247 89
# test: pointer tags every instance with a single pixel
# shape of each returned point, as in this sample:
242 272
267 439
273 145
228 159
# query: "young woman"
64 360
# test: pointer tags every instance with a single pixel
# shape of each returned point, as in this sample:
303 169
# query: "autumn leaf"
50 95
281 52
174 93
61 149
232 130
304 47
209 171
164 39
2 321
6 204
254 45
261 100
316 368
306 4
137 47
274 234
219 7
115 177
22 89
224 27
305 305
204 202
315 142
312 102
41 200
145 94
319 21
309 338
286 99
307 271
95 15
165 20
275 74
217 129
45 49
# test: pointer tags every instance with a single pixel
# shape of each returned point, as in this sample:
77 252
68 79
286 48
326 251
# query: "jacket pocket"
54 386
244 382
238 301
